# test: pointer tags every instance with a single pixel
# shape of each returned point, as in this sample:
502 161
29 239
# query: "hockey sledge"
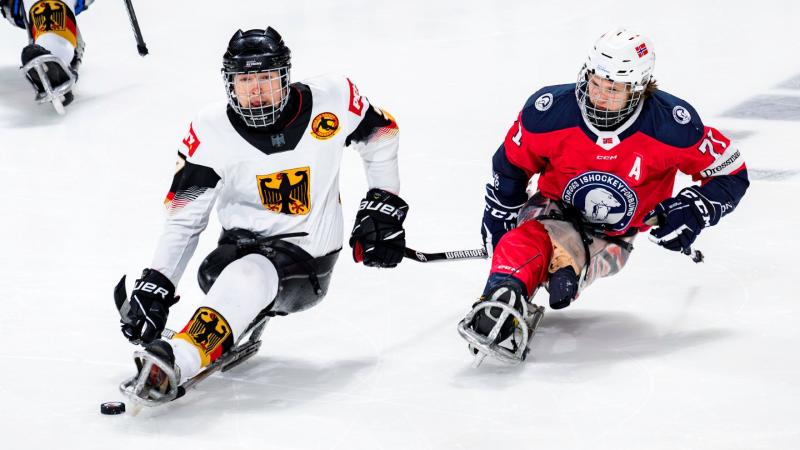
51 94
140 392
513 350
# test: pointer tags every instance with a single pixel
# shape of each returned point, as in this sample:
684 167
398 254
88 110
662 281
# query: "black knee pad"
304 280
214 263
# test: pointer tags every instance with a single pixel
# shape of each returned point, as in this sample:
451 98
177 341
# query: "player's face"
256 90
608 95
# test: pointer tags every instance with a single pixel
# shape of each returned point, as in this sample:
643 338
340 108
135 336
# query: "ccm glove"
378 238
144 314
498 219
680 219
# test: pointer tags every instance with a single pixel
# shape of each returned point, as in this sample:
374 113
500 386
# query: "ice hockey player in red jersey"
606 151
270 161
52 58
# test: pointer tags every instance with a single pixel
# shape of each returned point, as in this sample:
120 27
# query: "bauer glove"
144 314
678 220
378 238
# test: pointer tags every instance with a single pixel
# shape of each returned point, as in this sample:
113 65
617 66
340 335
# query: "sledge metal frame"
136 390
51 94
527 321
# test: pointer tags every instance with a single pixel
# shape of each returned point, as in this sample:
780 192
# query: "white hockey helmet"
621 56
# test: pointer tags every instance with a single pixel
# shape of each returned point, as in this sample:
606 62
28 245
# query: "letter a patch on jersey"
209 332
286 192
636 169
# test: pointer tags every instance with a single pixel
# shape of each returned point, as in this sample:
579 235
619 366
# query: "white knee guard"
242 290
57 46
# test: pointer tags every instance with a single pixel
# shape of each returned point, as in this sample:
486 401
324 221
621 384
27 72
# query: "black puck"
112 408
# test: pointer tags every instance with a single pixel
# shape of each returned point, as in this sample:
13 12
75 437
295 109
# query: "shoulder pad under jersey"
551 108
198 144
327 82
670 120
335 87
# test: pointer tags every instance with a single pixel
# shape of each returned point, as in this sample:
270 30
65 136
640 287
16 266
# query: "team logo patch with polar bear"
604 199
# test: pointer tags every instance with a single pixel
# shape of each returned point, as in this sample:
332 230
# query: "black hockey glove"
498 219
680 219
378 238
144 315
563 287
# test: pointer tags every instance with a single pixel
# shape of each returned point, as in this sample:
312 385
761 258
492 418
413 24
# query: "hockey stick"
27 25
478 253
137 33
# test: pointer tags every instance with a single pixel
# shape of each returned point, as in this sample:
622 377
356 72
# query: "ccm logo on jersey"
190 141
150 287
356 102
381 207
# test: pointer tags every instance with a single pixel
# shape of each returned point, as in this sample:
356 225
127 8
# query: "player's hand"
378 238
498 219
680 219
144 314
563 287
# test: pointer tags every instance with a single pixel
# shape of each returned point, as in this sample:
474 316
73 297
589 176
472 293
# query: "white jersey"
276 182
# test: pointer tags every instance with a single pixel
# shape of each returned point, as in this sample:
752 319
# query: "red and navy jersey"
616 177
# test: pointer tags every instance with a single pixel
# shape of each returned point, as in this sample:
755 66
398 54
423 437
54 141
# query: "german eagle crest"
287 191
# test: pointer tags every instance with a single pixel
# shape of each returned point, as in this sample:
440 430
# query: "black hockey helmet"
256 50
253 52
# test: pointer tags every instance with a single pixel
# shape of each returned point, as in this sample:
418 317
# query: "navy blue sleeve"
724 193
508 181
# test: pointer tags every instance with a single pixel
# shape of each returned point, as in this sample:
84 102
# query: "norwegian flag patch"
641 50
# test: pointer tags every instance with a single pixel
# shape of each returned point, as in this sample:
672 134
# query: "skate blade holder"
136 387
241 354
54 95
525 326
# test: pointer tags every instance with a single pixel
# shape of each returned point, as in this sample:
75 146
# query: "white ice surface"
666 355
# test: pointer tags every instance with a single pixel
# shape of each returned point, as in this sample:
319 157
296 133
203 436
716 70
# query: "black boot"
55 73
158 379
505 289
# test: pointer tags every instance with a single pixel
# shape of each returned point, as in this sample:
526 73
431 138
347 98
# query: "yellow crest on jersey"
287 191
325 125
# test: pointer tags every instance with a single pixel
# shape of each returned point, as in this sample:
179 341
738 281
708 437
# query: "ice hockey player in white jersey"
52 58
270 161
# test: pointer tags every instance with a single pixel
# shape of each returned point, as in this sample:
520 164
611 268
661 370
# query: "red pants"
524 252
